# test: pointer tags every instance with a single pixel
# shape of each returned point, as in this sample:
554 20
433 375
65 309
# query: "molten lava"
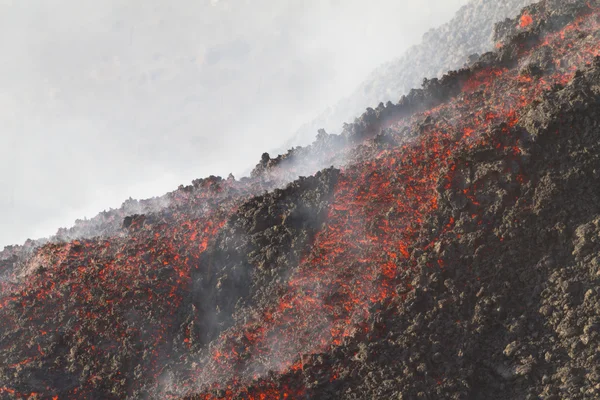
525 21
118 313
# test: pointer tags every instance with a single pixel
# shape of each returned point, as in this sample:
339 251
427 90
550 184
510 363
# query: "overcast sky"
101 100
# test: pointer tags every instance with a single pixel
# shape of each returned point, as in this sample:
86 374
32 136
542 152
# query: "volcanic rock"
451 253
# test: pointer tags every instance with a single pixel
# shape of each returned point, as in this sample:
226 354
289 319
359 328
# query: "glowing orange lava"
525 20
364 257
364 253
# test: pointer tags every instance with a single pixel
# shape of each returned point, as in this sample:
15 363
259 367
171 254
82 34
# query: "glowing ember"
525 20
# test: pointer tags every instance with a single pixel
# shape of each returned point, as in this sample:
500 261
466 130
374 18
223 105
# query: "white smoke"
105 100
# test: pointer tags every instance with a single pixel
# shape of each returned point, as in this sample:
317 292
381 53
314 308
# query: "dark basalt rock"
257 249
491 252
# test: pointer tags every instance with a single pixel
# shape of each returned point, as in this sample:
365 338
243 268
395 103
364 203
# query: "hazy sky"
105 99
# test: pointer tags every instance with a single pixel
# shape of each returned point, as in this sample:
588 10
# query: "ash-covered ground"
452 253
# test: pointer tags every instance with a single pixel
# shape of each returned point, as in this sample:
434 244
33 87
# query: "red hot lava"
364 257
365 254
525 20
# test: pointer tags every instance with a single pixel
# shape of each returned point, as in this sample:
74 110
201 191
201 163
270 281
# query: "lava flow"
363 256
229 292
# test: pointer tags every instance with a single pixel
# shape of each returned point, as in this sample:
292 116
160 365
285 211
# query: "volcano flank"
444 247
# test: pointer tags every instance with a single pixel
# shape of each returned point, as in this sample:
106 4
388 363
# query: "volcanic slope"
453 255
448 47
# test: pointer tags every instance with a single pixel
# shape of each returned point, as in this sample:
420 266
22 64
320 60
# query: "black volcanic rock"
453 254
512 318
257 249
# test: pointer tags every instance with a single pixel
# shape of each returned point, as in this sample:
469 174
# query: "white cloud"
99 98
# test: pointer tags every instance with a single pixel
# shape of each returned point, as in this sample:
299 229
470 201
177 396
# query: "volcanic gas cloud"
452 253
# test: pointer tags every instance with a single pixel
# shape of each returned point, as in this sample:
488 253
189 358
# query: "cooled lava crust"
455 254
